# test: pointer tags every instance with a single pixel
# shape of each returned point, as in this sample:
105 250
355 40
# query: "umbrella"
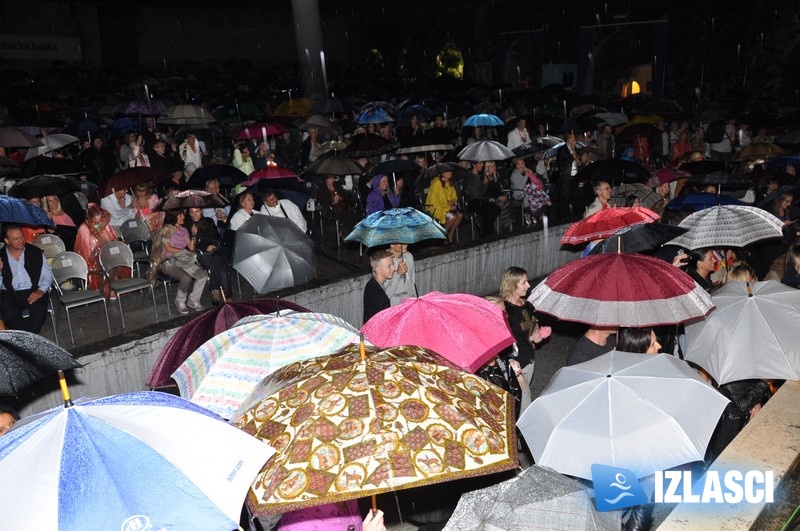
475 332
272 172
702 167
395 166
648 197
643 412
728 226
376 115
751 334
364 145
133 461
51 166
720 179
141 107
377 104
191 199
667 175
323 125
396 225
294 107
701 201
759 150
259 131
621 289
538 498
13 210
131 177
606 222
334 165
483 120
484 150
272 253
331 145
227 176
42 185
541 143
9 168
206 325
615 171
224 371
13 137
640 130
792 138
638 238
26 358
784 161
424 149
347 426
332 105
187 115
50 143
767 200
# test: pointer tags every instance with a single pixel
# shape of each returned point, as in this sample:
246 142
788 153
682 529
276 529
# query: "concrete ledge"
770 442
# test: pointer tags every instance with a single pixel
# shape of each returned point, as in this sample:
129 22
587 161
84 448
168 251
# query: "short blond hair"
509 280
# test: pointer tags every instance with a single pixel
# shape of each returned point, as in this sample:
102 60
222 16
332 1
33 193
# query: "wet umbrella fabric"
483 120
334 165
621 289
228 176
42 185
728 226
476 332
638 238
751 334
13 210
191 199
376 115
131 177
642 412
347 427
26 358
272 253
485 150
193 334
614 171
13 137
187 115
701 201
50 143
395 166
364 145
396 225
648 197
606 222
323 125
131 461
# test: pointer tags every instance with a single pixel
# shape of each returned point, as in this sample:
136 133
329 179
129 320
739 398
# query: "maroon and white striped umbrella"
621 289
606 222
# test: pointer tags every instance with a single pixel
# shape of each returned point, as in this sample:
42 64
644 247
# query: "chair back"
134 230
69 266
50 244
116 254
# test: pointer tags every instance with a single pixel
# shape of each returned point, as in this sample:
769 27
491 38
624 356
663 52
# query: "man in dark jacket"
26 280
375 298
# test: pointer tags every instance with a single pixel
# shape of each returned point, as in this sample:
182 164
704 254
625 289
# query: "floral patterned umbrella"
348 425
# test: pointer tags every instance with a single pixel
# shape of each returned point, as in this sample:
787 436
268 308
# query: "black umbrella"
627 135
9 168
639 238
42 185
614 171
395 166
51 166
26 358
368 145
702 167
228 176
720 179
334 165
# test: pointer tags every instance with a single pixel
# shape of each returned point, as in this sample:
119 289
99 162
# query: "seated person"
8 417
210 254
382 197
26 280
337 204
282 208
120 205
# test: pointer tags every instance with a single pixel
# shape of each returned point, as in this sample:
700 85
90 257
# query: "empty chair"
136 234
117 254
50 244
72 266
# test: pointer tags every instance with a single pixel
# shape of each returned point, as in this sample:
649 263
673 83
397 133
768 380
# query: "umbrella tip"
62 380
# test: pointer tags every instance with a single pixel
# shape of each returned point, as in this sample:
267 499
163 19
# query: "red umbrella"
255 131
667 175
131 177
621 289
464 329
272 172
193 334
603 224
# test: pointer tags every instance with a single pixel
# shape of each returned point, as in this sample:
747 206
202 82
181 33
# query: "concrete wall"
475 270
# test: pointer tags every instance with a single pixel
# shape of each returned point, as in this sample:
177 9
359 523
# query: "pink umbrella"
253 131
272 172
606 222
465 329
193 334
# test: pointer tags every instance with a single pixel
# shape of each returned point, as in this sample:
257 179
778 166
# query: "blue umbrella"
397 225
13 210
701 201
784 161
133 461
374 116
483 120
120 127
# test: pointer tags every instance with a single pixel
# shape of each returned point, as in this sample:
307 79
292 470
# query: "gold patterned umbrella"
348 425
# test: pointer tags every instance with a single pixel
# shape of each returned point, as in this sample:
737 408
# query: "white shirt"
119 215
516 138
291 212
238 218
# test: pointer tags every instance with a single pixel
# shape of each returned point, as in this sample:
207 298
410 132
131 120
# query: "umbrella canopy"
396 225
50 143
272 172
364 145
347 427
13 137
323 125
206 325
621 289
51 166
476 329
424 148
376 115
643 412
99 461
42 185
703 167
648 197
331 145
667 175
538 498
259 131
759 150
606 222
9 168
272 253
224 371
638 130
395 166
721 179
141 107
751 334
131 177
294 107
191 199
187 115
484 150
13 210
638 238
701 201
728 226
334 165
540 143
615 171
26 358
483 120
228 176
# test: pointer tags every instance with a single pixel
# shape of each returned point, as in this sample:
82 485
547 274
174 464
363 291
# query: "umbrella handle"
62 380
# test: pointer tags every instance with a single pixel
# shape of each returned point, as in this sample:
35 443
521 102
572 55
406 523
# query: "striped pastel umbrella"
223 371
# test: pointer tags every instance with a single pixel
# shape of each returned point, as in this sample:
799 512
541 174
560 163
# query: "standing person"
93 234
282 208
701 264
403 284
375 297
191 152
26 280
568 162
514 288
519 135
723 150
441 204
606 142
241 158
593 343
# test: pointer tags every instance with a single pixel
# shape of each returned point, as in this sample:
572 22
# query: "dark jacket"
34 258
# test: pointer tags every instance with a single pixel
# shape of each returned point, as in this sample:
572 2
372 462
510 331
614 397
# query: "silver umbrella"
272 253
728 226
485 150
187 115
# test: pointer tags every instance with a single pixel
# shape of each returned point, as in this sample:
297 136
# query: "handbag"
184 258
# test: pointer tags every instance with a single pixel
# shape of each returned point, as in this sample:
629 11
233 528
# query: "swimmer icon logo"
616 488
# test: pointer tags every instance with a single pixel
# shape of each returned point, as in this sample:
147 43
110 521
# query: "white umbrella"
642 412
728 226
484 150
751 334
187 115
50 143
